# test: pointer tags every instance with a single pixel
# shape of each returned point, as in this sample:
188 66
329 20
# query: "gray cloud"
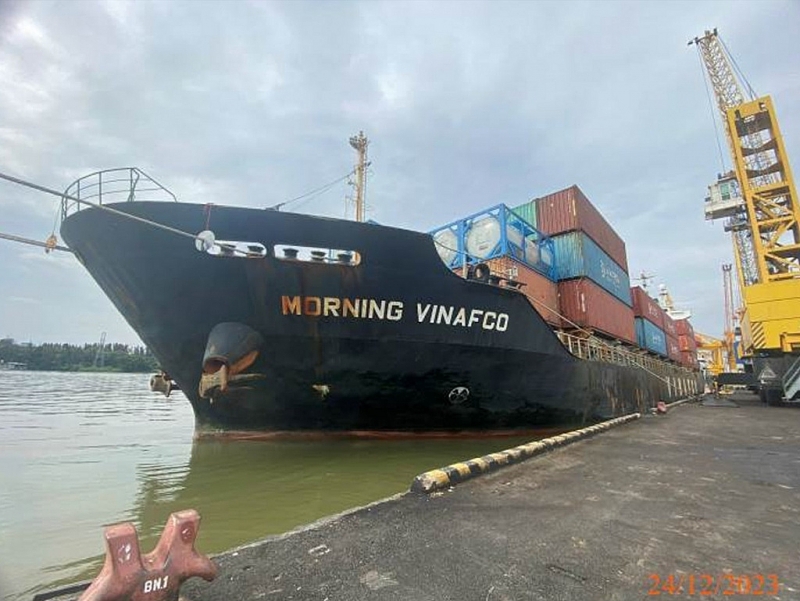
466 105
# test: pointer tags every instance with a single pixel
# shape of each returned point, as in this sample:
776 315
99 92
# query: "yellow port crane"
759 201
716 350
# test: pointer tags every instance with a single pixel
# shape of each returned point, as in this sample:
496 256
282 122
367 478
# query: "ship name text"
392 310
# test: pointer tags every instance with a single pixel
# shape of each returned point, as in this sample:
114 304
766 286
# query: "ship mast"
360 143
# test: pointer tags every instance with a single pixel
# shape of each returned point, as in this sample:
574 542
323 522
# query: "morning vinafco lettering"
370 308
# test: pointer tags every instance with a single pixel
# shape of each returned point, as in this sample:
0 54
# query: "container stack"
571 264
686 343
591 263
649 323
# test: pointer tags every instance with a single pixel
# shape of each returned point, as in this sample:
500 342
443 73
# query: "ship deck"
699 497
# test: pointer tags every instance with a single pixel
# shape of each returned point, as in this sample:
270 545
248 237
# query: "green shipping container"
527 211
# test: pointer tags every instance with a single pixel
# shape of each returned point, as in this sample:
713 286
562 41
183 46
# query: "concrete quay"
705 494
703 502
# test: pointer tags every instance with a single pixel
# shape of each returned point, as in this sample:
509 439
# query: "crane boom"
759 200
727 90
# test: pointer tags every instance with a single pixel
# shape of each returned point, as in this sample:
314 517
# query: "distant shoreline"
62 357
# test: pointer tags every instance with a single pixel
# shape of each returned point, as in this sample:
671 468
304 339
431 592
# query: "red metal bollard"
127 576
661 407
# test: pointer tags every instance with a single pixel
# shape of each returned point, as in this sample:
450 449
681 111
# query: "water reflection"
78 451
246 490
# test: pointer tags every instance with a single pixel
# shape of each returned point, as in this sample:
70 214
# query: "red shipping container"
687 343
541 292
689 359
684 327
673 349
587 305
568 210
647 307
669 326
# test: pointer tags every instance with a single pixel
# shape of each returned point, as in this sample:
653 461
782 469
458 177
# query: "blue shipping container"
577 256
650 337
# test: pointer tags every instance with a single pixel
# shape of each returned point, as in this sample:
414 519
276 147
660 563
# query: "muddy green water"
78 451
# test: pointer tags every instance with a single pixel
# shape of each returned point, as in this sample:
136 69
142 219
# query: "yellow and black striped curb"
445 477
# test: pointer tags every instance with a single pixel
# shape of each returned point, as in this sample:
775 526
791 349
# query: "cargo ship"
275 321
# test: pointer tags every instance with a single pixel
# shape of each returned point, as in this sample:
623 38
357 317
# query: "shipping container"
669 326
650 337
687 343
673 350
568 210
684 327
527 211
689 359
646 306
587 305
494 232
541 292
578 256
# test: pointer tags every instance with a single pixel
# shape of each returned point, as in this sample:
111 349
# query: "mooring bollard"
157 576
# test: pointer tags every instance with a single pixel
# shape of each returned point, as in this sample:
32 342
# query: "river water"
79 451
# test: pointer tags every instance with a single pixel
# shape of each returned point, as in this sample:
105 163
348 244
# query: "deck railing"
124 184
595 349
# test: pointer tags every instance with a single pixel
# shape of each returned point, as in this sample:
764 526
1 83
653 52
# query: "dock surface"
708 492
665 507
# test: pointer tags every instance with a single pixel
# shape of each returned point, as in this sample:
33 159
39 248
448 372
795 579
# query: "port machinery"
759 203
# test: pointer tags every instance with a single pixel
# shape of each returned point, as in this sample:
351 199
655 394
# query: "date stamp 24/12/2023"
707 585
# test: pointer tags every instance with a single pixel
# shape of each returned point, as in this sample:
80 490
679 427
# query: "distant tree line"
70 357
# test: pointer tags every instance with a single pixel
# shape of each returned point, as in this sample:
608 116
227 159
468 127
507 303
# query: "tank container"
494 232
646 306
650 337
568 210
587 305
577 255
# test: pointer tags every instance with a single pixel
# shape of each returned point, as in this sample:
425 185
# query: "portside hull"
406 371
410 390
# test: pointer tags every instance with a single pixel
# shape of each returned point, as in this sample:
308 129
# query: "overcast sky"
466 104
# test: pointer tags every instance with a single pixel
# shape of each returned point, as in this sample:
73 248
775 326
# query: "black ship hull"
387 338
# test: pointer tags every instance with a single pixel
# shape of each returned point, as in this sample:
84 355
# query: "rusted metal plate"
541 292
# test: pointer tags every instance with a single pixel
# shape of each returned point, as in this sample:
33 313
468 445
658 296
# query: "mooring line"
62 195
32 242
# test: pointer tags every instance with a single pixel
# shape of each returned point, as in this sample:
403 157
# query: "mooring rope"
161 226
45 245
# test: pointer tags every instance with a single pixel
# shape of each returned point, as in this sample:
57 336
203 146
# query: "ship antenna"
360 143
644 278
